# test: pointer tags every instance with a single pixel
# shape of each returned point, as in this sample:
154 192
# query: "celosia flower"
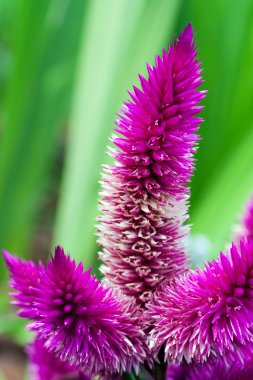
144 198
208 312
43 365
216 370
78 318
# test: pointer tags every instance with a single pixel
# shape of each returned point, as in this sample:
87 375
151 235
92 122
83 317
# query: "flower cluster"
208 312
144 197
150 310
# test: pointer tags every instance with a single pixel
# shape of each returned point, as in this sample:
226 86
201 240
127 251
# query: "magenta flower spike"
79 319
208 313
144 197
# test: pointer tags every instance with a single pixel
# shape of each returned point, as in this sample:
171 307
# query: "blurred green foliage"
65 68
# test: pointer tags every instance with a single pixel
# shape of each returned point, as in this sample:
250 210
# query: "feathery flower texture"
208 313
78 318
144 198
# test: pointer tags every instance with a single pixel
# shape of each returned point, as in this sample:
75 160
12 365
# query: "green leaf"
225 46
37 103
218 210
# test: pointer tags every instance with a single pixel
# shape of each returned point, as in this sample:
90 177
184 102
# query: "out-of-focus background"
65 68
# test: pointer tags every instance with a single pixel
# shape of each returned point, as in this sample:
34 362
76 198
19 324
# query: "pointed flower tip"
186 37
16 265
188 31
8 258
25 279
59 250
59 256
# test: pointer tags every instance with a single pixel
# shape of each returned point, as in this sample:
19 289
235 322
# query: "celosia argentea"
77 318
150 310
208 313
144 197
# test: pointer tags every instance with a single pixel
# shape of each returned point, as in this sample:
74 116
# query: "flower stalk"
144 200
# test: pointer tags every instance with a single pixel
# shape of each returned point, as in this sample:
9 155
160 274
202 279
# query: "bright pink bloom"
78 318
208 312
144 198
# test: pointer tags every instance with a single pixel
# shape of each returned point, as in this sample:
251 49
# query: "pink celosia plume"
144 198
208 312
78 318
